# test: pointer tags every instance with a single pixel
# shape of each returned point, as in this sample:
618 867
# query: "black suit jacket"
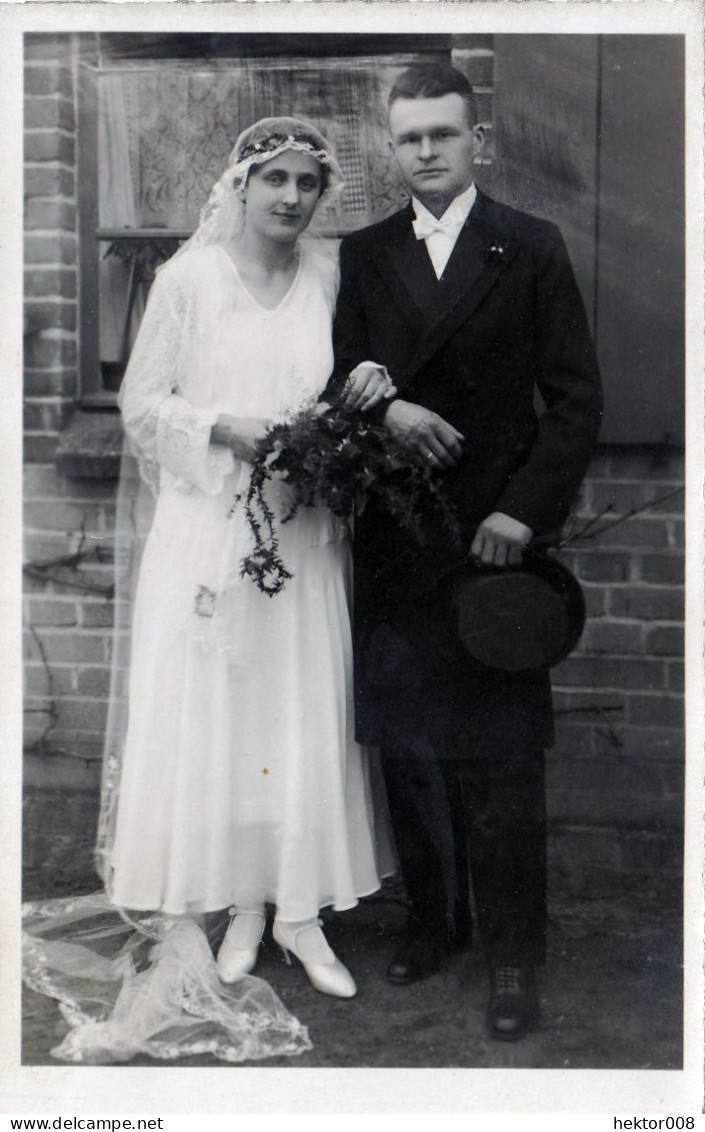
505 321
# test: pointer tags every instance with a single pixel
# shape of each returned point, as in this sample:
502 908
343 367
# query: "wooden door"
589 132
641 249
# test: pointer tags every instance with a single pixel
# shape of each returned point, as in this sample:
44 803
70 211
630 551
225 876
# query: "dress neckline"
246 289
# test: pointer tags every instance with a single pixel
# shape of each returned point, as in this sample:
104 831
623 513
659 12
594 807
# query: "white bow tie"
426 225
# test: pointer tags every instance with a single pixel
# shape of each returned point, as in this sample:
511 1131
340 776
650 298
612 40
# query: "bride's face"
281 195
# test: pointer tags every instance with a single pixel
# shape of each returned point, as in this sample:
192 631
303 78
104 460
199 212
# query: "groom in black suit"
473 308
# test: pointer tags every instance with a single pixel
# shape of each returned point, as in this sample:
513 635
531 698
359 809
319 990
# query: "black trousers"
483 817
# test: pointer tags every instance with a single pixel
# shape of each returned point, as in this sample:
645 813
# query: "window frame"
115 48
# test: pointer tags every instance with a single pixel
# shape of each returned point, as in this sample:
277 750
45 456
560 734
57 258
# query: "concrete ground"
611 997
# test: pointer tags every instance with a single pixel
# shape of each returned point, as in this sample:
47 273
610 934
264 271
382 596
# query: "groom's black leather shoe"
415 959
513 1008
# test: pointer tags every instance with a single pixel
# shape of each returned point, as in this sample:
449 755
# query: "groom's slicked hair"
433 80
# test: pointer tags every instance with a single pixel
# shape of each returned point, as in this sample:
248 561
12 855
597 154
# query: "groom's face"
435 144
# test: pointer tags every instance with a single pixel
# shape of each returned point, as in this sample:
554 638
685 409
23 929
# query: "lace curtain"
166 131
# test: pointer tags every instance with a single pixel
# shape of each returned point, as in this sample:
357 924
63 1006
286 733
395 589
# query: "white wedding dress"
239 779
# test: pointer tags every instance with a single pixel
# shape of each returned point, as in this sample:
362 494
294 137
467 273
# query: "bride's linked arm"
167 429
367 386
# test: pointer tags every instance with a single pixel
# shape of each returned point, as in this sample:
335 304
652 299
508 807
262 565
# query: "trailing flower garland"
335 458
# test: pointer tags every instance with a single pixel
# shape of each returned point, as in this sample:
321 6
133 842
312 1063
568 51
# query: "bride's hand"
239 434
367 386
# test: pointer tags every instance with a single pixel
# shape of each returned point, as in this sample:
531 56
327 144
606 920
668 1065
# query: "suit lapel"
406 271
414 270
480 257
464 269
437 308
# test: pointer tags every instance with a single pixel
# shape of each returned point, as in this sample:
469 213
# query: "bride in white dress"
239 783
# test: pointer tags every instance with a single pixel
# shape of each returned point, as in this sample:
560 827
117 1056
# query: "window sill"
91 446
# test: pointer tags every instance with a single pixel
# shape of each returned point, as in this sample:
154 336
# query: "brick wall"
615 775
67 522
51 276
67 643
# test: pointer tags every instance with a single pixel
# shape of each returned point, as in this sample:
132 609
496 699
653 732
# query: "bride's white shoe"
308 943
237 954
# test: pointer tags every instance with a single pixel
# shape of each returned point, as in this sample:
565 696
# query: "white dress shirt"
441 234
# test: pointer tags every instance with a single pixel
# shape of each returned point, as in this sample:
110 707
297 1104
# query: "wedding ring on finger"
429 455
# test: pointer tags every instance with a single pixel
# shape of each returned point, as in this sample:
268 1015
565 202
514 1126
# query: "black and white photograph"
361 384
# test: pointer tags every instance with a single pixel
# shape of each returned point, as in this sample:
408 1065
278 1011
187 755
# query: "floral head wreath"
223 216
272 136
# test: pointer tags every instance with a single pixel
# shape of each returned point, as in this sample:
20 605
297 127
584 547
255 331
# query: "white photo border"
61 1089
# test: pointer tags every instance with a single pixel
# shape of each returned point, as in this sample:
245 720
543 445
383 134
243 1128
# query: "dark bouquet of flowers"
339 459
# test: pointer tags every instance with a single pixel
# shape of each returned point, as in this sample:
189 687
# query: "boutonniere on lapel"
496 253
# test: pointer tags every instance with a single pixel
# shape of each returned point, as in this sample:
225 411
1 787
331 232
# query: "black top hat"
519 617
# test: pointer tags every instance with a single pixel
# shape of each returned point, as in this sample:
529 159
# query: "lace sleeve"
166 429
